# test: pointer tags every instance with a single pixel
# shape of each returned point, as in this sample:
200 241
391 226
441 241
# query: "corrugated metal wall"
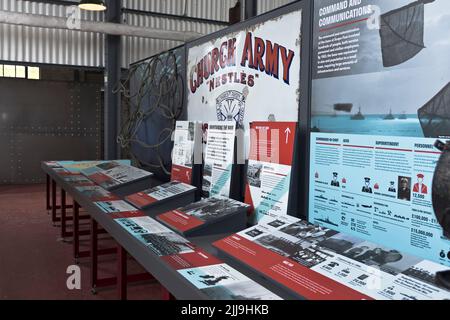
267 5
205 9
38 45
29 44
135 48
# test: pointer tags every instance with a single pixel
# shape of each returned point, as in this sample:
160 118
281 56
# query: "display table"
169 278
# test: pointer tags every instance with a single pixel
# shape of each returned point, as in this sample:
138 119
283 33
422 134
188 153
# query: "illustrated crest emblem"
230 106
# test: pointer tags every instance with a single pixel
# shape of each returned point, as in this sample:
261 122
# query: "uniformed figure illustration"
419 187
335 182
392 187
367 188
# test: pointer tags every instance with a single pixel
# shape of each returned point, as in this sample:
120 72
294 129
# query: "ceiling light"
92 5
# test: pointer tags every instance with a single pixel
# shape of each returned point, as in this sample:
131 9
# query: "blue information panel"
380 100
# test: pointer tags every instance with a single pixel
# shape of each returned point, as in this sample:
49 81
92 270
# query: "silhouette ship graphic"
403 116
358 116
327 221
389 116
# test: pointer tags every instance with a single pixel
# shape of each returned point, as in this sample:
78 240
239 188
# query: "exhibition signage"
164 192
112 175
318 263
380 99
219 158
187 137
249 75
269 167
377 188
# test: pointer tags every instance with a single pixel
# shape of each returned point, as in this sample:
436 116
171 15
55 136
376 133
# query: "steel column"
112 76
250 8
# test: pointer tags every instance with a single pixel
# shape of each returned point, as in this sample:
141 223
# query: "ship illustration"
389 116
358 116
434 116
327 221
403 116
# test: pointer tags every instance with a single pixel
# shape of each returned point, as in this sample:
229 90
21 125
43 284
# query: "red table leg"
76 227
47 193
53 201
94 257
63 213
166 295
121 273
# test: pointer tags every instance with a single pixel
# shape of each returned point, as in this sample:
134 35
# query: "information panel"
187 136
321 264
380 99
377 188
249 75
269 167
219 158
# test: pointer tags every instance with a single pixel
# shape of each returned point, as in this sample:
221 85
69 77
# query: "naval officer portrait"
335 182
367 188
404 190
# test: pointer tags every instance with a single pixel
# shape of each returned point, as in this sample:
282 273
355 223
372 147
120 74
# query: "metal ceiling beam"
175 16
51 22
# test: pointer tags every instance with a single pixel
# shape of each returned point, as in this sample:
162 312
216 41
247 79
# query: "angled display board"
187 137
96 193
269 168
219 158
319 263
214 215
380 98
164 197
112 175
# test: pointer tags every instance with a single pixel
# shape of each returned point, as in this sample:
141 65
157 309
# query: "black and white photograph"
254 174
94 192
279 245
388 260
76 179
341 243
166 244
213 208
404 188
305 231
276 223
254 232
310 256
207 179
107 165
246 290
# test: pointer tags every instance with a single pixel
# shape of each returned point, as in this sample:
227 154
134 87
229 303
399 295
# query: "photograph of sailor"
335 182
367 188
404 190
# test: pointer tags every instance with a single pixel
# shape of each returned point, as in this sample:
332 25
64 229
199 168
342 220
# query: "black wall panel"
58 119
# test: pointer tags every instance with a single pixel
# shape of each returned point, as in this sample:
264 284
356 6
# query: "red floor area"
34 260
